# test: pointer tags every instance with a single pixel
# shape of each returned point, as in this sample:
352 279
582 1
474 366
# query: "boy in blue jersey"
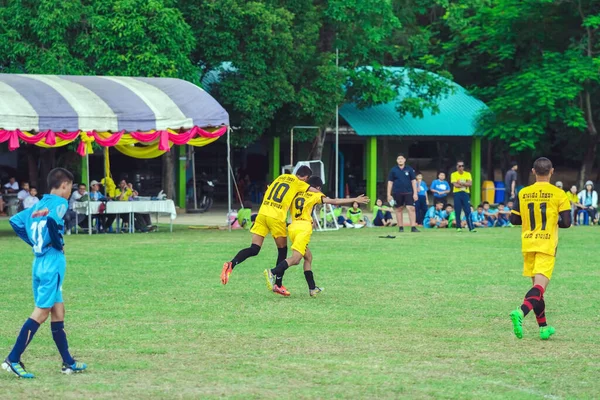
41 227
436 216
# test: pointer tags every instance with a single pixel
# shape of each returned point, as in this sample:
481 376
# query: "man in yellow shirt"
540 209
300 231
462 182
271 218
123 193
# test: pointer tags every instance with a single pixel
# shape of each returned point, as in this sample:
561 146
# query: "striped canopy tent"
53 111
140 117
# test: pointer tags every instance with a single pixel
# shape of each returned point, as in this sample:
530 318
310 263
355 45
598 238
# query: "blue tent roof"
457 116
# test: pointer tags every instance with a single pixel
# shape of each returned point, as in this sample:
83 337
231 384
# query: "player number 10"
531 207
277 193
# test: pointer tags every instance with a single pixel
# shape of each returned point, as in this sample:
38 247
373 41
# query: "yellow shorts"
538 263
264 225
300 233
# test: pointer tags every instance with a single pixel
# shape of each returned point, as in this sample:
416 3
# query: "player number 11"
531 207
37 235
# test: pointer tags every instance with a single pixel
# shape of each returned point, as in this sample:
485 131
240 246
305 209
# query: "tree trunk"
316 153
32 167
589 157
47 162
592 143
168 174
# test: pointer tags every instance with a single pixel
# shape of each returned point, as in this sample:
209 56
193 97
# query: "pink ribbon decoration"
163 136
109 142
66 135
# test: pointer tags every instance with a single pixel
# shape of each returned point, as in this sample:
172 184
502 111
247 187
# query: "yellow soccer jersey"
303 205
539 206
279 196
456 177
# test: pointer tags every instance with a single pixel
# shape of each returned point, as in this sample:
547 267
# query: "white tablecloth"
126 207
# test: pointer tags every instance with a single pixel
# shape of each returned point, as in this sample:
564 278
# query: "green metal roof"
457 116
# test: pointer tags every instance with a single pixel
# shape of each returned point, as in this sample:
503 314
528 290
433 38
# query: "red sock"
532 299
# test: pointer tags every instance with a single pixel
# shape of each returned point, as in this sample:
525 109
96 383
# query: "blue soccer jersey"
42 226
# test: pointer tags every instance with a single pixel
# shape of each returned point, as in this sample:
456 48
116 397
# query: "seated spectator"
422 202
355 216
575 204
24 192
105 220
434 218
12 186
123 192
71 217
589 199
490 216
509 205
503 216
30 200
337 214
440 188
478 218
382 215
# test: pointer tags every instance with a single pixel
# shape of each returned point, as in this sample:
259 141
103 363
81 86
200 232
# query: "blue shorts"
48 275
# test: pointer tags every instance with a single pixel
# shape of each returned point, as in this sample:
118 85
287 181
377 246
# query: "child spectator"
575 204
509 205
354 215
503 216
31 199
478 218
382 215
440 188
24 192
490 216
434 218
422 202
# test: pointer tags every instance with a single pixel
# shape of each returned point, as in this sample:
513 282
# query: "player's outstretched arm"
362 199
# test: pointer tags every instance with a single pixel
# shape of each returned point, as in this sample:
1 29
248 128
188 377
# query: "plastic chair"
586 217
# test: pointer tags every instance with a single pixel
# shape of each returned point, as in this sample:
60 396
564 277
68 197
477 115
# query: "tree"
99 37
535 64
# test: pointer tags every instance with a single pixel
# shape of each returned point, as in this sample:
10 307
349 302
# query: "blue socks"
60 338
29 329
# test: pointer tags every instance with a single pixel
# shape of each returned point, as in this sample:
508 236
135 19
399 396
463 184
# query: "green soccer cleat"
270 278
458 230
17 369
75 368
315 292
546 332
517 320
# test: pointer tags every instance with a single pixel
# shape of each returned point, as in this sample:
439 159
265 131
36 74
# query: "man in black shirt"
402 191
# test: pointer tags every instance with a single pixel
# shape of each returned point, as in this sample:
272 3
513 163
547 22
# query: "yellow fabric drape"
145 152
199 142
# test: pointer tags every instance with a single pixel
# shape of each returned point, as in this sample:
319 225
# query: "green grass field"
421 316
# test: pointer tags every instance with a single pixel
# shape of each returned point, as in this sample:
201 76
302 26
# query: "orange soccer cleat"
281 290
225 272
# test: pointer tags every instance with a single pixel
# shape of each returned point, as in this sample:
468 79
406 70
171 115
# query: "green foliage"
108 37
